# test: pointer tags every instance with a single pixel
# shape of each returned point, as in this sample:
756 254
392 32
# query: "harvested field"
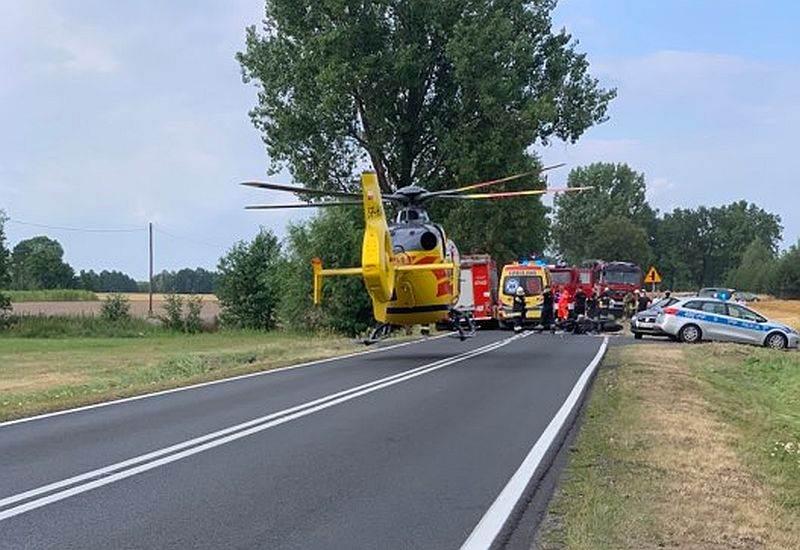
785 311
139 307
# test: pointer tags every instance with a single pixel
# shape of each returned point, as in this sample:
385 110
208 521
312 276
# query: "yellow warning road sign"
652 276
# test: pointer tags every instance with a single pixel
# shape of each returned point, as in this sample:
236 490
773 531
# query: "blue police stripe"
730 321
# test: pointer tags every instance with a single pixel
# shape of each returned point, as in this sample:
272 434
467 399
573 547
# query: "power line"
80 229
215 246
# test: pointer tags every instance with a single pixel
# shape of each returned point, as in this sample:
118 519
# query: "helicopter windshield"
412 215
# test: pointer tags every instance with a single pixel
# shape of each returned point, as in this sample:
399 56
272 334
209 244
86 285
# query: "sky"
118 114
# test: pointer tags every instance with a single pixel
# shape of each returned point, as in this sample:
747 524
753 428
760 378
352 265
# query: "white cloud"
705 128
36 38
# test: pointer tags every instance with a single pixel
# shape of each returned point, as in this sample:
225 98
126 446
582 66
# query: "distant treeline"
38 264
106 281
184 281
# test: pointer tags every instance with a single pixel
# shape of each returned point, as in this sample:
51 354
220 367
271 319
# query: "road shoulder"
663 458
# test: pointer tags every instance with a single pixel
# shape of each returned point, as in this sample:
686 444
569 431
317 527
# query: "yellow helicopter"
410 268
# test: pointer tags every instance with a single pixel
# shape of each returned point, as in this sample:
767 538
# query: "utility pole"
150 227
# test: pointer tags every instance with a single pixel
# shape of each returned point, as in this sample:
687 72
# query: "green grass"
64 326
46 374
695 446
55 295
602 500
758 391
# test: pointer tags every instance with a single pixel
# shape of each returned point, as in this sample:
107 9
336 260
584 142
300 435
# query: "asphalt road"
405 447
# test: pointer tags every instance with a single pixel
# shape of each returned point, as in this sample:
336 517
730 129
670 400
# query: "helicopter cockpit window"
410 215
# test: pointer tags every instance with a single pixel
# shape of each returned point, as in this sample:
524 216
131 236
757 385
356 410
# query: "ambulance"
532 276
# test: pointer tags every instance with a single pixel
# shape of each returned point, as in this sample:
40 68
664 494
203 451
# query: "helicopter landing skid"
381 332
462 325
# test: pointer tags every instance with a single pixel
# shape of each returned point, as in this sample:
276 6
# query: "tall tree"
618 192
620 239
426 91
786 283
38 263
5 255
756 271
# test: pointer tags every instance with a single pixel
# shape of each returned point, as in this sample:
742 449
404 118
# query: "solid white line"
213 382
201 439
501 509
252 427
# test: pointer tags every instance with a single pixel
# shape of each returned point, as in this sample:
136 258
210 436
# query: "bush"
250 282
116 308
5 311
57 326
194 306
173 307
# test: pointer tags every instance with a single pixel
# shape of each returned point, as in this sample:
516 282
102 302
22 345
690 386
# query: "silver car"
694 319
644 322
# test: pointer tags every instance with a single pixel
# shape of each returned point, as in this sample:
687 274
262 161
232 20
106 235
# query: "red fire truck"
563 277
478 293
619 277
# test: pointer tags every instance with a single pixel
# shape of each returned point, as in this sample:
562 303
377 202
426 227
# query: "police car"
644 322
694 319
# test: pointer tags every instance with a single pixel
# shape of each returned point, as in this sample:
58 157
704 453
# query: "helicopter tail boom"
319 273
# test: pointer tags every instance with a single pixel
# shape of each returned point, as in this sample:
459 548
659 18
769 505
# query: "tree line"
692 247
38 264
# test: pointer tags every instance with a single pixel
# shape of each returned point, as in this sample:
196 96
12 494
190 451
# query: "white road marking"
492 522
146 462
220 381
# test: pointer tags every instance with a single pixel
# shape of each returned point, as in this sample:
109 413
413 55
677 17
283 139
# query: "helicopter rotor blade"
299 190
512 194
301 205
494 182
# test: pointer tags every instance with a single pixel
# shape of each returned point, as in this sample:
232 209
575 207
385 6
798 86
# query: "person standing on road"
547 309
580 302
629 304
563 305
605 302
592 304
643 302
518 307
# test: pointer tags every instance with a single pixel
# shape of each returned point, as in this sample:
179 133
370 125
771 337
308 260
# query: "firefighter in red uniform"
563 305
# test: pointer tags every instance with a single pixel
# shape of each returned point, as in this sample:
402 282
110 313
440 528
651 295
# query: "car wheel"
637 335
690 334
776 340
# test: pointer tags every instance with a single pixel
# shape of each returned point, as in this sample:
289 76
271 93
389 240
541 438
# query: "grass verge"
687 447
43 375
77 326
55 295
